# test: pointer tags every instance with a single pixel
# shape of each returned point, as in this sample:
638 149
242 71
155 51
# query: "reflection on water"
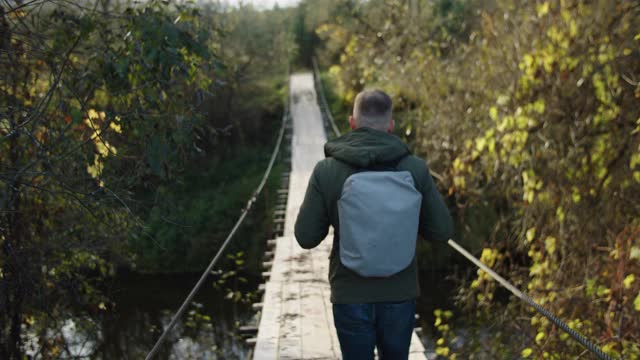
142 306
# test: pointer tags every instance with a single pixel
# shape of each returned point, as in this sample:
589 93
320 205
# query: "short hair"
372 108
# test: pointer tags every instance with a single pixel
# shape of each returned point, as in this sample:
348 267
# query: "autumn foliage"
530 111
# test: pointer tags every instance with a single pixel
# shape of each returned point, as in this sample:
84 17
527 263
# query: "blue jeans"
387 325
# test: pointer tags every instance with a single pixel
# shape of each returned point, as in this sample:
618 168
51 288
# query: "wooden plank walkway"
296 320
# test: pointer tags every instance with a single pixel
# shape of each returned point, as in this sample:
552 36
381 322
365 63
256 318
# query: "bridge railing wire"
519 294
243 215
524 297
326 110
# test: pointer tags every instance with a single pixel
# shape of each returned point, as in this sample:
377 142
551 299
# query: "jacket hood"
364 147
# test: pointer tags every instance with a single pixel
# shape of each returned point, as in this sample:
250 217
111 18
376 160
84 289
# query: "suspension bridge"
295 315
296 319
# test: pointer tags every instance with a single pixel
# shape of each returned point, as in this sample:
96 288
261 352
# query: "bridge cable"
240 220
320 90
522 296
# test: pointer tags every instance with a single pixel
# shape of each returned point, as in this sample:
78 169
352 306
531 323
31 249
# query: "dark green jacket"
363 148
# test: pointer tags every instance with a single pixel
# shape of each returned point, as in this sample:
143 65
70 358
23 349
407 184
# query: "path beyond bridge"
296 320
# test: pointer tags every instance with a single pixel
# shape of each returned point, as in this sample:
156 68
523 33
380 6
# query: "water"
141 306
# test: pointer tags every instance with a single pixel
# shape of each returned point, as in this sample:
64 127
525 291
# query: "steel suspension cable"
524 297
323 99
239 222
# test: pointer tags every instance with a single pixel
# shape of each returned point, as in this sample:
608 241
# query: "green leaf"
76 115
157 153
86 25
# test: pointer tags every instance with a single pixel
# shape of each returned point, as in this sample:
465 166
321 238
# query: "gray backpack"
379 212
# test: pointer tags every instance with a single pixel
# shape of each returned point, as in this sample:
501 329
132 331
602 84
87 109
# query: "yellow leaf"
442 351
527 352
573 29
540 337
488 256
636 302
550 244
528 60
635 160
502 100
576 196
529 196
628 280
117 128
543 9
95 170
93 115
480 143
493 113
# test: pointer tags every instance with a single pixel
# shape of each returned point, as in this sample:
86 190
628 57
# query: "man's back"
363 148
370 312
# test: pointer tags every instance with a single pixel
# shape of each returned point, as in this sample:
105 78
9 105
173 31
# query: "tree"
102 109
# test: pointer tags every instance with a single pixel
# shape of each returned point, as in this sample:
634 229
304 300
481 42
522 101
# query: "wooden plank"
290 342
416 345
320 266
268 337
279 268
269 329
319 338
316 332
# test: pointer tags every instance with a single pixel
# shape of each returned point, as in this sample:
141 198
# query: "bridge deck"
296 320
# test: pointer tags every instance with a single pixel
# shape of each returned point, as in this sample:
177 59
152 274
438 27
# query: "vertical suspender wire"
524 297
215 259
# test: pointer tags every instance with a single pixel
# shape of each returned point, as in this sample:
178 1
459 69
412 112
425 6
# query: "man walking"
378 197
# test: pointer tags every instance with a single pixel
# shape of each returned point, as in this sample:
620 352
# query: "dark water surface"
145 304
142 305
